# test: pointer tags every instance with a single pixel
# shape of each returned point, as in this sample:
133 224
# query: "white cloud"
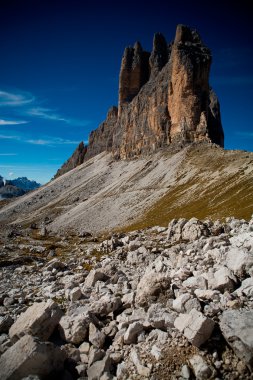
46 141
8 154
10 137
10 174
52 141
12 122
10 99
49 114
28 105
45 113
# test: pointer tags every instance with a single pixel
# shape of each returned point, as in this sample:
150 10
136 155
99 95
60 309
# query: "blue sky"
60 63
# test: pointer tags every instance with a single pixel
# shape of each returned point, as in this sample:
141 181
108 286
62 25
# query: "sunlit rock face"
164 98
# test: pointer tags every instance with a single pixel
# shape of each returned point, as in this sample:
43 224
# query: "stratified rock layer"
164 99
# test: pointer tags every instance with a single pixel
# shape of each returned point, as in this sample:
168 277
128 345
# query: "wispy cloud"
11 99
52 141
49 114
12 122
8 154
26 104
46 141
9 137
45 113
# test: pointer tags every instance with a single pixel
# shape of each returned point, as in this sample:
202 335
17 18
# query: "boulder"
132 332
223 279
75 294
97 369
237 329
246 288
184 303
95 354
94 276
195 282
194 229
239 261
195 326
200 368
160 318
96 337
150 286
74 327
141 369
30 356
175 228
105 305
38 320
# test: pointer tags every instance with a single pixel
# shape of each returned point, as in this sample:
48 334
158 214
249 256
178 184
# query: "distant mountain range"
16 187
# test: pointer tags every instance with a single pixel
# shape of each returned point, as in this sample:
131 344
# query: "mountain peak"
164 99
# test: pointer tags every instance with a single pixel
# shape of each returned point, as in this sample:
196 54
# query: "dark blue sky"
60 63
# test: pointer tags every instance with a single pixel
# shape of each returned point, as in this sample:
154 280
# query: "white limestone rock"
246 288
201 369
74 327
185 303
96 337
150 286
222 279
194 229
38 320
106 305
160 317
132 332
141 369
30 356
195 326
237 329
239 260
99 368
94 276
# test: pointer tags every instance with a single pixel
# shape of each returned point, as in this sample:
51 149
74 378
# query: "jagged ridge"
164 99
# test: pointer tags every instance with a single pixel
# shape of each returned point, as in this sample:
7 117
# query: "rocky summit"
164 99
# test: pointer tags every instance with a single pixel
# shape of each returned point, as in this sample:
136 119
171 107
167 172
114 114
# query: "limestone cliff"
134 73
164 98
102 138
76 159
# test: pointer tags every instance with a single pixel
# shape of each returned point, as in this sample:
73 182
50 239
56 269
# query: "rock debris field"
158 303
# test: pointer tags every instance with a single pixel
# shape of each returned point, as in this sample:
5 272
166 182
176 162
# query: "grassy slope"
213 183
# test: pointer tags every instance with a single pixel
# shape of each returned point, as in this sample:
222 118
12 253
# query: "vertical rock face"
101 139
188 97
76 159
143 125
159 55
215 130
134 73
164 98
